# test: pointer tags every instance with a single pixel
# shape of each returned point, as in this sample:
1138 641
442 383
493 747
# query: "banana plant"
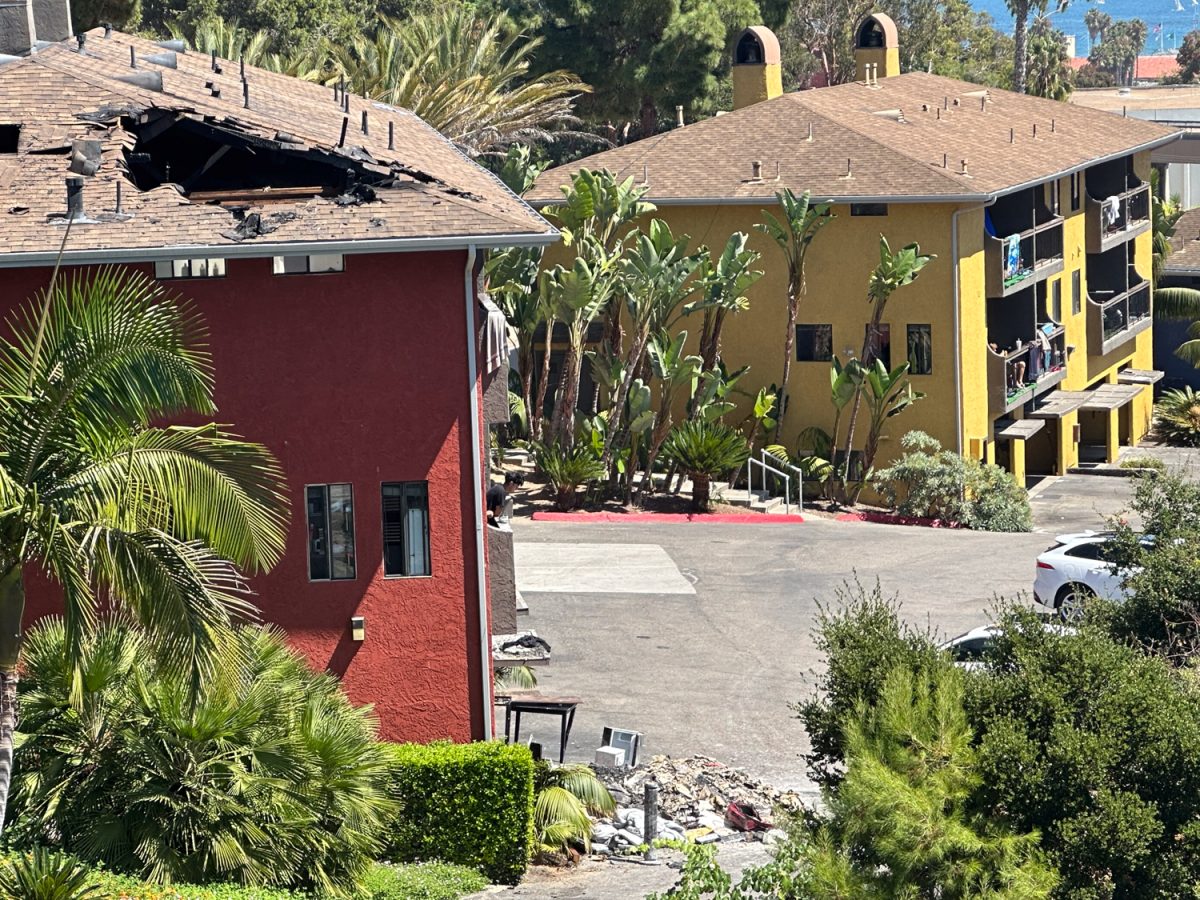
802 220
723 285
641 420
672 368
574 296
710 401
888 394
764 413
656 276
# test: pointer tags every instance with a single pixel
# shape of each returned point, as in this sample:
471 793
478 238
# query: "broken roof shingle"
905 138
424 187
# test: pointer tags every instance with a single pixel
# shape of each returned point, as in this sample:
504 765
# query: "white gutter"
260 249
958 391
485 635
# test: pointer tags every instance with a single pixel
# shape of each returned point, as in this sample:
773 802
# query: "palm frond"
560 819
1177 303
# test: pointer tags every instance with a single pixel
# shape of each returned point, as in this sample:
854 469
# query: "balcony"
1023 245
1120 214
1114 318
1018 374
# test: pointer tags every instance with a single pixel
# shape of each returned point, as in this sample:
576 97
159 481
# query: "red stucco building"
333 245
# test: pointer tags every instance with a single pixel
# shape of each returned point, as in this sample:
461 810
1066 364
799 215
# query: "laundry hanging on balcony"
495 335
1110 211
1012 258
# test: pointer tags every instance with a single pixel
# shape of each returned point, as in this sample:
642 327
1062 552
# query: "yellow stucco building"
1030 334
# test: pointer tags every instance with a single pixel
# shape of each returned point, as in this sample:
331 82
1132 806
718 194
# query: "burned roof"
912 137
180 153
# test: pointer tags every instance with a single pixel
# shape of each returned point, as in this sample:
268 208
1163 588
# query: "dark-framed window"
1052 196
1076 293
1056 300
405 528
213 267
868 209
882 349
330 511
814 343
1076 191
920 349
315 264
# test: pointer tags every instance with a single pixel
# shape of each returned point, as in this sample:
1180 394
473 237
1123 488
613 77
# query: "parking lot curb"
703 518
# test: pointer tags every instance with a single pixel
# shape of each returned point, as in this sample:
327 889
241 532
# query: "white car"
968 650
1075 570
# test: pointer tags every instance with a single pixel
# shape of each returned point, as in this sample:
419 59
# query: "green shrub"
1177 417
267 776
705 450
421 881
125 887
470 804
1144 462
929 482
42 875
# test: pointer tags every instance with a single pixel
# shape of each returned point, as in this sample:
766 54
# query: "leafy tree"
1097 23
896 269
703 450
87 14
264 775
948 37
1049 73
465 74
112 505
292 25
1021 11
1188 57
794 234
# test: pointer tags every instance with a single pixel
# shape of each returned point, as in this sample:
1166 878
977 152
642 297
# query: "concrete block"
502 581
610 756
16 28
52 19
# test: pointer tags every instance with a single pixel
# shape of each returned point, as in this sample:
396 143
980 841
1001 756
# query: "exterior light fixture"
358 628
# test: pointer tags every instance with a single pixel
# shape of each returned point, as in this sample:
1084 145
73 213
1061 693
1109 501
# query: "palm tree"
465 73
1049 73
565 795
1021 11
702 450
895 270
801 222
150 519
724 281
1097 22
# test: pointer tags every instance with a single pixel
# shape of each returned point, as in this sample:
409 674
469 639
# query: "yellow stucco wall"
754 83
887 58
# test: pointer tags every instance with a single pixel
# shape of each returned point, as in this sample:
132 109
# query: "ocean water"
1177 18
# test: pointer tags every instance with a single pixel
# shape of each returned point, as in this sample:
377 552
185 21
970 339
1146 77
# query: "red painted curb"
706 518
888 519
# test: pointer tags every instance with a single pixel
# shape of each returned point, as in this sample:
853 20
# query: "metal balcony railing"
1017 375
1119 217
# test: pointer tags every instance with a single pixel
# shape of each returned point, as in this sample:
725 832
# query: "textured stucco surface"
356 377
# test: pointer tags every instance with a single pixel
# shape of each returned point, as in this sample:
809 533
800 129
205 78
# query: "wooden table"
541 704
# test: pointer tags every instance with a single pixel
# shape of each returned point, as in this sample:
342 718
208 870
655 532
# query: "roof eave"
256 249
767 201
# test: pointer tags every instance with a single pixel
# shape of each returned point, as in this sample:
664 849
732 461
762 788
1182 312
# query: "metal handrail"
788 464
787 479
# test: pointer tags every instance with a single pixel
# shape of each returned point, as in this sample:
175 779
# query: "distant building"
333 246
1038 211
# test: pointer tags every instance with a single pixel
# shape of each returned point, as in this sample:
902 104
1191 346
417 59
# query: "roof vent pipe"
964 168
1053 126
849 169
245 95
756 170
167 59
147 80
1035 131
118 209
810 132
391 135
945 160
81 39
132 58
108 31
74 197
365 129
345 123
177 45
213 61
1012 135
679 115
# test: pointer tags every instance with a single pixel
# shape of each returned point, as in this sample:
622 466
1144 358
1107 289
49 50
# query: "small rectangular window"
316 264
10 137
882 344
405 528
1052 196
1056 300
814 343
1076 191
189 268
1076 294
330 510
868 209
920 349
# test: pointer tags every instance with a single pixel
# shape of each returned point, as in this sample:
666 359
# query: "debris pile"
696 791
626 830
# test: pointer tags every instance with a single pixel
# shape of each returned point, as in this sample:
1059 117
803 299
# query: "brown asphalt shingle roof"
436 191
1185 253
906 137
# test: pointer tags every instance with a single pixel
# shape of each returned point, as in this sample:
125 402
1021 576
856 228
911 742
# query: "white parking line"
598 569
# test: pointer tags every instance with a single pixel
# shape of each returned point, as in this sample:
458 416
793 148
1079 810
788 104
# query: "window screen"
814 343
920 349
306 265
882 349
330 509
406 528
189 268
1076 191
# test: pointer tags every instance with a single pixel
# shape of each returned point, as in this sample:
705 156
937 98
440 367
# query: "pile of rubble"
694 795
627 829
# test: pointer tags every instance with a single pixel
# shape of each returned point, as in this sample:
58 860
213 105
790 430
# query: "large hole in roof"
10 135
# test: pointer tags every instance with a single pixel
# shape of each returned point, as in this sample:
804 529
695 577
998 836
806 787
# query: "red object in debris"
744 817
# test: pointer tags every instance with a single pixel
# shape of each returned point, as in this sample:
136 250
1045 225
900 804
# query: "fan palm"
564 798
1177 416
465 74
703 450
154 520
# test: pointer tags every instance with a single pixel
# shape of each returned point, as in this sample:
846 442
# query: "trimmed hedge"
470 804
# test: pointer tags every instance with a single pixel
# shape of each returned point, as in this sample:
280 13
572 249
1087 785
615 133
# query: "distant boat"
1178 6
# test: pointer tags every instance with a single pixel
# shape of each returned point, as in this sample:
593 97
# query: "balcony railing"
1017 375
1119 217
1037 256
1114 320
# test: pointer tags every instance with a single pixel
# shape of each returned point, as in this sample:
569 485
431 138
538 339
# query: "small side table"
538 704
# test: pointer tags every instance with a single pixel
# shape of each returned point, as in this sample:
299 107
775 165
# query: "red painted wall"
360 377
